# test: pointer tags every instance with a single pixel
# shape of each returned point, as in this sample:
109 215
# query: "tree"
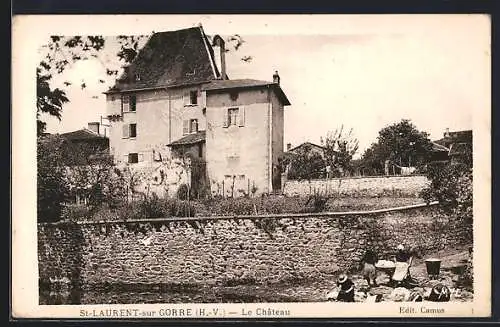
400 143
339 150
305 164
62 52
52 191
372 160
404 144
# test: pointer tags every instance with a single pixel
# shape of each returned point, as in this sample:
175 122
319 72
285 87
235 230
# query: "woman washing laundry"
403 261
346 292
369 271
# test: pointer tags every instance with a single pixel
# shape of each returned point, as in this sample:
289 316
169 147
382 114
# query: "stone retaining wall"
235 250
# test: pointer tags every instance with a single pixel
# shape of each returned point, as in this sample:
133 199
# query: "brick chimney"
220 55
129 71
94 127
276 78
288 146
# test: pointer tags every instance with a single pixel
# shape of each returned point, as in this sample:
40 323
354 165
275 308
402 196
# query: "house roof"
83 134
319 147
215 85
190 139
456 137
436 147
169 59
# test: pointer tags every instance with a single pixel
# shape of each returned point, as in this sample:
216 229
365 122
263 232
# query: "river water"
185 294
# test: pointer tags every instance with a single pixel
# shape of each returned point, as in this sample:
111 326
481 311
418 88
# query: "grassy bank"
161 208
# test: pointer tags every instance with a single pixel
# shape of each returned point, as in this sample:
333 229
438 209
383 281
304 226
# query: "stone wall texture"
231 251
365 186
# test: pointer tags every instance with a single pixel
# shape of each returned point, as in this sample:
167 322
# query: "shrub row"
154 207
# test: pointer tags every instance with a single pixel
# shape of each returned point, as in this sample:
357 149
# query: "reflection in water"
165 294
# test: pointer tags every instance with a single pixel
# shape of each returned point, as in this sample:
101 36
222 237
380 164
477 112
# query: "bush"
75 212
451 185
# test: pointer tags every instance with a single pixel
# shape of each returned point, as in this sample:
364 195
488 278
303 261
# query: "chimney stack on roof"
94 127
288 146
220 55
276 78
446 132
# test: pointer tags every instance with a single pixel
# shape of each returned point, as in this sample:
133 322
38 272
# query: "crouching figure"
346 291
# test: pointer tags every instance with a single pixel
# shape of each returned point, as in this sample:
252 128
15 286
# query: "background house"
175 102
85 146
459 145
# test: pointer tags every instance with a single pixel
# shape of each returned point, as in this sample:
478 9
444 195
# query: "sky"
364 72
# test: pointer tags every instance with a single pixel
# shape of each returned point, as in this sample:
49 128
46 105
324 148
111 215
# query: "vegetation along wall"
229 250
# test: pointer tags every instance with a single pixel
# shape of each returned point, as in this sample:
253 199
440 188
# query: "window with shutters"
129 130
133 130
129 103
133 158
193 126
234 117
191 98
189 126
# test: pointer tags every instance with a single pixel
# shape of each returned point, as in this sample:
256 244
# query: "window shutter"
125 103
141 157
185 127
126 130
186 98
203 99
241 116
225 122
132 102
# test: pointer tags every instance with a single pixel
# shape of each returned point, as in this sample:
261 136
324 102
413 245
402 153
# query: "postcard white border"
28 32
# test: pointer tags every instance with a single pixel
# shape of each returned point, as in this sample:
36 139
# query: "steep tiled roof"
190 139
82 134
169 59
245 83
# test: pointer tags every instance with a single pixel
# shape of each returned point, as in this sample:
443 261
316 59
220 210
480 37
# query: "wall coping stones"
355 177
250 217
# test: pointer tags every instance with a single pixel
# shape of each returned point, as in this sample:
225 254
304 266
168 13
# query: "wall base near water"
221 250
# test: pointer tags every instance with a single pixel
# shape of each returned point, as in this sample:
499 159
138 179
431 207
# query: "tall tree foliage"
52 190
400 143
60 53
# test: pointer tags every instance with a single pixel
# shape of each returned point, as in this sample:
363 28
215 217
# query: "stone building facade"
174 105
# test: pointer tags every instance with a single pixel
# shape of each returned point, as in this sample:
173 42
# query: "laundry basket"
433 266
